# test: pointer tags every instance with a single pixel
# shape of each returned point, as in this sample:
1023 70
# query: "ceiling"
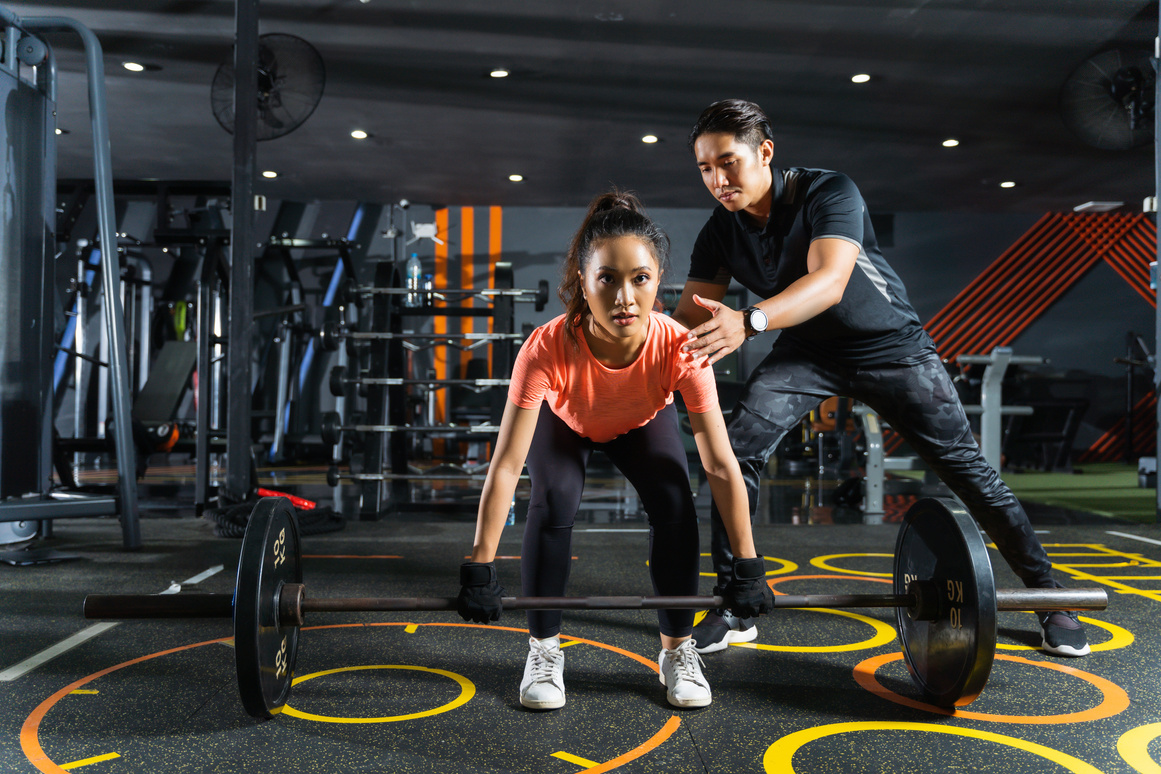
589 78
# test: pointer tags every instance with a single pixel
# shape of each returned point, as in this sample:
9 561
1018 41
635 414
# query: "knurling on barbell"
944 596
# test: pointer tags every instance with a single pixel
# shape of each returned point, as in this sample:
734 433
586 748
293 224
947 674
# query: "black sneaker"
1063 634
719 628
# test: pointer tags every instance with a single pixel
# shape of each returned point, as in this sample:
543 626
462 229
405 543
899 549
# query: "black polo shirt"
873 323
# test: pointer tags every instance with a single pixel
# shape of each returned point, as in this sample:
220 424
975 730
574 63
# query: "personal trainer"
801 240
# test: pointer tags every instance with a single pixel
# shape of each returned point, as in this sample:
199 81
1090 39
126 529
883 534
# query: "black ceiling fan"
291 76
1108 101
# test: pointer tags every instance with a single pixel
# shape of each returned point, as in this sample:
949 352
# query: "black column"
238 431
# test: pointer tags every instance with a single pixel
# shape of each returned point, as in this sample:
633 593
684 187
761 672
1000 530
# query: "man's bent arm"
829 266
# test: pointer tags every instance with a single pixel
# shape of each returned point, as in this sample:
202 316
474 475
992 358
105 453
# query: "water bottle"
413 271
511 513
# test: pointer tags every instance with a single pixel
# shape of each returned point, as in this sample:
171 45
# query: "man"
801 241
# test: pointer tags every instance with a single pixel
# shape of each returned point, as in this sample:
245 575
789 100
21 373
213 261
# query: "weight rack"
378 357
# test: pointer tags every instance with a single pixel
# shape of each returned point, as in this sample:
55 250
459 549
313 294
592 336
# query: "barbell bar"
538 296
333 331
945 603
331 428
339 378
336 477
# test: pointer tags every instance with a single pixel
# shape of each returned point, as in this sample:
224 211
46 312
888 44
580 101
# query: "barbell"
442 473
338 379
944 597
354 293
333 331
331 427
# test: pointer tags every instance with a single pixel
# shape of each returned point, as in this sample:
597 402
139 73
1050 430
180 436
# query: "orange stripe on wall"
467 274
439 323
495 248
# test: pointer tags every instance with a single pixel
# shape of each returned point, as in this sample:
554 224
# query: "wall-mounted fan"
1108 100
291 76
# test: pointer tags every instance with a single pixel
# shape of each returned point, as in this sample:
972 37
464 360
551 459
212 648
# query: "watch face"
757 320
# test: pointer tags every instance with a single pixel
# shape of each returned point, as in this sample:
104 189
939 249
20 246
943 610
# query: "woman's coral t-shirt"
599 402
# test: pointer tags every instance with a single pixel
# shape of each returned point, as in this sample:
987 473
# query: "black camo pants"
915 396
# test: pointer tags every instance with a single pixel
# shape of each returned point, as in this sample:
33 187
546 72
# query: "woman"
602 376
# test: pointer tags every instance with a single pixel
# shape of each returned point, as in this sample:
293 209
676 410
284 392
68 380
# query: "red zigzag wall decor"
1034 273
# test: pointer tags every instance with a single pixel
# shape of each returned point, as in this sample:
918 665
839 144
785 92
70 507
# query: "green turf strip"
1104 488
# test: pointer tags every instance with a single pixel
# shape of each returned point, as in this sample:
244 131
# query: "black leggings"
653 459
917 398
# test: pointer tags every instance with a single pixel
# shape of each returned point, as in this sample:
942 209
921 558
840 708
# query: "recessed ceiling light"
649 139
950 142
499 72
359 134
1007 184
133 67
270 174
860 78
516 178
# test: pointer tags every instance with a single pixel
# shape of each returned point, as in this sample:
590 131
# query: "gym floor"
819 691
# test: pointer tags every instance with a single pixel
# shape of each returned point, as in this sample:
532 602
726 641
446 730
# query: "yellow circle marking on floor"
1122 638
787 566
1134 748
821 562
467 691
884 633
779 756
1115 700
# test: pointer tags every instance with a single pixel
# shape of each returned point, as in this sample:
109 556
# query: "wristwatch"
755 320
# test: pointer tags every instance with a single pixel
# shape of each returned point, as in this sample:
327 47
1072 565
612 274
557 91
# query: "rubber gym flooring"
819 691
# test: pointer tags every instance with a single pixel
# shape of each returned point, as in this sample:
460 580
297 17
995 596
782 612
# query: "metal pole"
1157 255
238 431
119 375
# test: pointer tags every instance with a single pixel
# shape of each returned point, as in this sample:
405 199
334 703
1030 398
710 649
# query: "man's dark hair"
744 120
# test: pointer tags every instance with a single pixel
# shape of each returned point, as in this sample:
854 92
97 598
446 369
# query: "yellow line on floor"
574 759
566 643
411 628
83 690
88 761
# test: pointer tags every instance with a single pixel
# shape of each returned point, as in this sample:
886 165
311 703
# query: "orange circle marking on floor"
30 730
1115 699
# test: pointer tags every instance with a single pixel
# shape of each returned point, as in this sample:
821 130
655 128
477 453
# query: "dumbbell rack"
379 370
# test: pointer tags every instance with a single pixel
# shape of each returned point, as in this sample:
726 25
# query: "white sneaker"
543 684
681 675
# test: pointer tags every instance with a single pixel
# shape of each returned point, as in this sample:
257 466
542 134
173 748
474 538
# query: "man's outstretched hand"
718 336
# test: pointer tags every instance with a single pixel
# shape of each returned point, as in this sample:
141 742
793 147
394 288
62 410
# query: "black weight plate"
337 381
264 649
329 336
329 426
356 348
541 295
949 658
